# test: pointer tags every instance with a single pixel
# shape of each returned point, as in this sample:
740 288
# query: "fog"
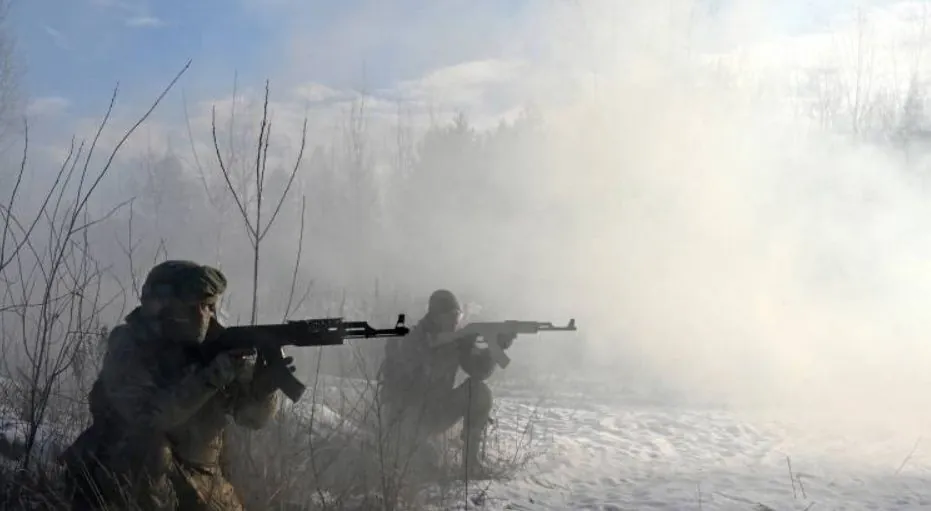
727 243
715 225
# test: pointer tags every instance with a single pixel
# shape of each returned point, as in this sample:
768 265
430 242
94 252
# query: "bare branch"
106 216
297 164
126 136
70 157
226 177
297 261
13 194
200 169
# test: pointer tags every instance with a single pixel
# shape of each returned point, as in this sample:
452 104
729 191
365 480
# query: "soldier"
417 381
159 412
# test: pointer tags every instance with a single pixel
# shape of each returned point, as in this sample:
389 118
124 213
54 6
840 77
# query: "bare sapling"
257 227
52 305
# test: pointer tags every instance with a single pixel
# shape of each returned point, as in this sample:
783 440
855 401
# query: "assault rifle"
490 330
267 341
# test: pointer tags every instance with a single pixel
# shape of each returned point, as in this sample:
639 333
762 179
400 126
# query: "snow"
635 453
642 456
51 439
596 447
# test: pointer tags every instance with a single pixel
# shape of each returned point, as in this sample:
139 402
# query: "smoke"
713 234
709 217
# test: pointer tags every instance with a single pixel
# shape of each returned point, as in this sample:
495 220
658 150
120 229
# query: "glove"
263 380
506 340
467 342
244 367
286 361
223 370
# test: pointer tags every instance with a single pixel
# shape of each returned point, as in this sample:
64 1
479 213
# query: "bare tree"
53 292
257 226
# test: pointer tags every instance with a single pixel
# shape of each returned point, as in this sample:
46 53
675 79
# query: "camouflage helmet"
442 300
185 280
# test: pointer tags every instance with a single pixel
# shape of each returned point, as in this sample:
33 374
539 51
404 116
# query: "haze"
731 200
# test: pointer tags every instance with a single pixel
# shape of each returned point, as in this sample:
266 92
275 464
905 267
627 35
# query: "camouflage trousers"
412 417
181 489
198 489
98 481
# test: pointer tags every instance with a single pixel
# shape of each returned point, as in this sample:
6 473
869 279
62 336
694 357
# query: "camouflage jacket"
412 364
151 385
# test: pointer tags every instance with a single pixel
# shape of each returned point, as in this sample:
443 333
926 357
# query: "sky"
75 51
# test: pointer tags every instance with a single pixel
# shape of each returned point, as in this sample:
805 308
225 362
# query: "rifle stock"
267 342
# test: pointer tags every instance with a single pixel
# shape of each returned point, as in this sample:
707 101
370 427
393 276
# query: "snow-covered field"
633 453
647 456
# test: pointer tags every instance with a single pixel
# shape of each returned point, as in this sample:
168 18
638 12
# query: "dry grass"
331 451
336 450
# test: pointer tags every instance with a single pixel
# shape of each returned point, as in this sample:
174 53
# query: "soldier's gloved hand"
264 381
244 367
222 371
506 340
467 343
264 368
227 368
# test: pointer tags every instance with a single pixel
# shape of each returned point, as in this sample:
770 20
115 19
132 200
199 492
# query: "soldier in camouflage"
418 381
160 412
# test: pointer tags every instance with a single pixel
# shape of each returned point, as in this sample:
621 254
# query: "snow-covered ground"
628 452
50 437
647 456
600 447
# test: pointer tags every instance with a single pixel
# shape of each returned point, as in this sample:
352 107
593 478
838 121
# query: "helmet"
185 280
441 301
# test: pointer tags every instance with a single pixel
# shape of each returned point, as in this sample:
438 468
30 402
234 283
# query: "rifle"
268 340
490 330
